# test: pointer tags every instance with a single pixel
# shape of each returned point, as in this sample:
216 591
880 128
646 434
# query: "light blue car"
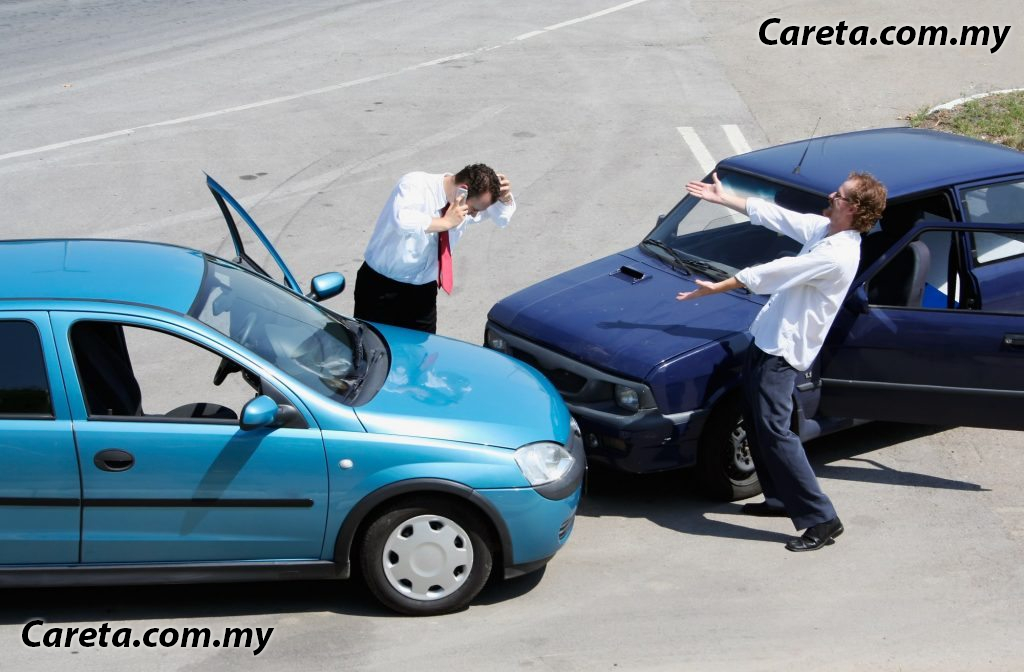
167 416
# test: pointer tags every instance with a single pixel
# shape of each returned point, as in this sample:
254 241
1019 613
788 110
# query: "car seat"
901 281
105 370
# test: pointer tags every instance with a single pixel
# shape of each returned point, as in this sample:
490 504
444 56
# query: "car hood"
620 313
442 388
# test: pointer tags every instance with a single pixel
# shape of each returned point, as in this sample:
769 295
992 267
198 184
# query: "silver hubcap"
427 557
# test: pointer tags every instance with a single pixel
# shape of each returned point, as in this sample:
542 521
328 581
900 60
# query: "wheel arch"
386 496
733 394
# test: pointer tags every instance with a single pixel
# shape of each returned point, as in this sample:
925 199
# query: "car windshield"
299 337
718 242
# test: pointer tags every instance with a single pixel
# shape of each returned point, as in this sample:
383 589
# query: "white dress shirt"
807 290
400 247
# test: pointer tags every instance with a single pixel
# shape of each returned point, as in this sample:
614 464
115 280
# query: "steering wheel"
227 366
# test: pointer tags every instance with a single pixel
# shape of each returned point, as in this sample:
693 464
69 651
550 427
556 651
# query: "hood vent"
630 275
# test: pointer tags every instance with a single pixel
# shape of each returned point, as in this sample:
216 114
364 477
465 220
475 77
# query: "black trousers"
779 457
381 299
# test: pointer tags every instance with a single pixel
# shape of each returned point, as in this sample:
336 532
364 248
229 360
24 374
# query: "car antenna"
796 171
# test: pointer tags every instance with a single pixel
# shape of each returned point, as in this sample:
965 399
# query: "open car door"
952 356
224 199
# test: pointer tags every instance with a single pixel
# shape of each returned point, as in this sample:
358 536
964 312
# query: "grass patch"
997 118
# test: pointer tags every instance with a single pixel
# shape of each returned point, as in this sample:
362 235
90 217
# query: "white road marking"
595 15
321 182
736 139
439 61
69 143
700 152
313 92
526 36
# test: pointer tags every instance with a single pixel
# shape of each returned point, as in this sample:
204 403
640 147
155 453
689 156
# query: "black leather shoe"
816 536
764 510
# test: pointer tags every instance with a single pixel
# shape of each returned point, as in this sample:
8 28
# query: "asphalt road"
308 112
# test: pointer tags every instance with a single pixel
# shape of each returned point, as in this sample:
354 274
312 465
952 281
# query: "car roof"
165 276
906 160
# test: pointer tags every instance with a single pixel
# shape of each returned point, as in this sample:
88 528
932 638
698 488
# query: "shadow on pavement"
498 590
669 499
673 499
873 436
219 600
213 600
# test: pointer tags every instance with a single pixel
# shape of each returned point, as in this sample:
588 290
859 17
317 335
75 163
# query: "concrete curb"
960 101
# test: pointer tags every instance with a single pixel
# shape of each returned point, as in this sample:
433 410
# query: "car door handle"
1014 340
113 459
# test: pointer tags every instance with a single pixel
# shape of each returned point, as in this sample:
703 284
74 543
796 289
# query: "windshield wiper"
357 382
707 268
671 251
688 263
358 355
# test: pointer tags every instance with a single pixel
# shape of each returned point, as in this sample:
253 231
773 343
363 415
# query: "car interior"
108 380
903 280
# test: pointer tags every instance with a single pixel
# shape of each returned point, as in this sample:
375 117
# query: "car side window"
133 372
918 275
931 273
990 246
897 220
24 388
995 203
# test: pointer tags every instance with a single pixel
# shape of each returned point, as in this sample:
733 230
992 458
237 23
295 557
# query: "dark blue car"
932 330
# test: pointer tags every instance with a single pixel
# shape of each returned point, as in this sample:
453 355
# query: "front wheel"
426 557
724 464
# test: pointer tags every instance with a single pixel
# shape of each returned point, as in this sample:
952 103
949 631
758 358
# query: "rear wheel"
426 556
724 465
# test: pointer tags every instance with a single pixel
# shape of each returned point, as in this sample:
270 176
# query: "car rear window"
24 390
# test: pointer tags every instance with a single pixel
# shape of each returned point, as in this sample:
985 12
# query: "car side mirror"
326 285
661 218
259 412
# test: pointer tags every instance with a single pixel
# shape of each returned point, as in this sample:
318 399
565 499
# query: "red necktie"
444 259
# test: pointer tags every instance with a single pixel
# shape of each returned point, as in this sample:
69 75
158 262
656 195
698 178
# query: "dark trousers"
381 299
781 462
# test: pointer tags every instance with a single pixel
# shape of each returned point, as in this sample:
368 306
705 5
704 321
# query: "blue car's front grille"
564 381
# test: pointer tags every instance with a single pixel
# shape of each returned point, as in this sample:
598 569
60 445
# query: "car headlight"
627 397
496 342
544 462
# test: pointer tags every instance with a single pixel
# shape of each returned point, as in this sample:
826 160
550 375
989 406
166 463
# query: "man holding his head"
806 293
409 254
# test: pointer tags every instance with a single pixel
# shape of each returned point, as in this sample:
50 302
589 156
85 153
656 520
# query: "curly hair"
868 195
480 179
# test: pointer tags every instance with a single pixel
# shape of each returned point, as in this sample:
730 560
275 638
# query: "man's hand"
704 287
716 193
713 193
505 195
457 212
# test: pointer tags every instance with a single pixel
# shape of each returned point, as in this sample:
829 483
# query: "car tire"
426 556
724 467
